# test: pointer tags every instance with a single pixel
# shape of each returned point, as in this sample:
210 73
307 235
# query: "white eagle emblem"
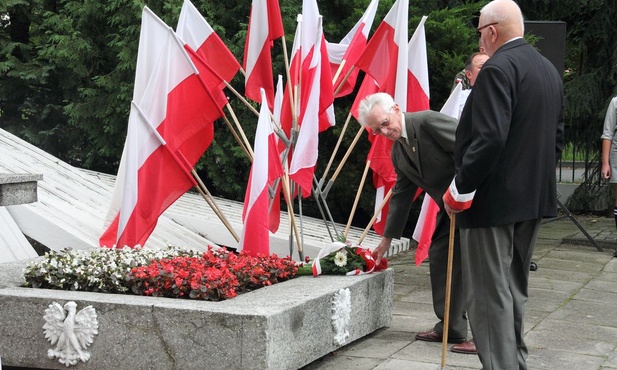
70 333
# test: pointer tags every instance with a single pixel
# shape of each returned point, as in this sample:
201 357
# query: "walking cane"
446 319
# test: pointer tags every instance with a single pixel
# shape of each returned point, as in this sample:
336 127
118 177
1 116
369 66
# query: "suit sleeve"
400 205
492 114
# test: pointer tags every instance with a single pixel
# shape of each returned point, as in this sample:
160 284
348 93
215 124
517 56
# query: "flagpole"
235 134
338 144
340 86
340 166
355 203
246 141
290 212
372 221
338 72
205 193
242 99
317 194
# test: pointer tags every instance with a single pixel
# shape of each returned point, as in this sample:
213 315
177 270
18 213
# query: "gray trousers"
495 278
438 262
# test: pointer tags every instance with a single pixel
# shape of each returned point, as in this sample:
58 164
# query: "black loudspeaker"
551 41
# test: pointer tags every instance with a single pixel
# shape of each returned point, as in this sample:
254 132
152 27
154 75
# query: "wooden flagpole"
246 141
205 193
355 203
338 143
340 86
235 134
290 212
372 221
340 166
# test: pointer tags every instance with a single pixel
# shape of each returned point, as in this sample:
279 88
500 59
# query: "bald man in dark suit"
508 142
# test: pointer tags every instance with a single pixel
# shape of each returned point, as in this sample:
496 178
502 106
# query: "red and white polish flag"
170 126
200 36
265 26
255 239
349 50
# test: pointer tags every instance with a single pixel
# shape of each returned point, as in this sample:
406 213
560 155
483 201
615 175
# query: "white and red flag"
349 50
385 61
301 70
385 56
255 239
418 99
265 26
170 126
275 207
304 158
200 36
418 94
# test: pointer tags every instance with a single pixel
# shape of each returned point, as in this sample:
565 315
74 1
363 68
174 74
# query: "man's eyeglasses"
383 124
479 29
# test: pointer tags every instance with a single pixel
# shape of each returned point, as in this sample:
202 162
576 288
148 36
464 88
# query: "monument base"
284 326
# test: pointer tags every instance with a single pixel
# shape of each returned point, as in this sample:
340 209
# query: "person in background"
462 77
609 152
508 142
473 65
422 158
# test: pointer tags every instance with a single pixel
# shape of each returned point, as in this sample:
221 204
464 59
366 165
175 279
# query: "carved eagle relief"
71 333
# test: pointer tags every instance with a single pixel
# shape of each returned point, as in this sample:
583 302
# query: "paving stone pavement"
570 321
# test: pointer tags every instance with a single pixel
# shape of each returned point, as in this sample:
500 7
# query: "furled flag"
418 94
312 24
197 33
170 126
300 69
304 157
275 207
385 61
266 168
349 50
385 56
265 26
418 99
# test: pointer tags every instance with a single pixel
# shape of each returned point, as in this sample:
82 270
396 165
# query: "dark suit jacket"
427 162
509 139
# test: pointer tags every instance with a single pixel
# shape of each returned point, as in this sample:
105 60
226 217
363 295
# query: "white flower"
340 259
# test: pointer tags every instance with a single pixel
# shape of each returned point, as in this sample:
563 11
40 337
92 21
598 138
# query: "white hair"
381 99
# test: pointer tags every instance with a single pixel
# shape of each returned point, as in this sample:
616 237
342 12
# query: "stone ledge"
18 188
285 326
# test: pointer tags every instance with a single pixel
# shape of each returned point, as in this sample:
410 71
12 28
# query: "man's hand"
449 210
382 248
454 202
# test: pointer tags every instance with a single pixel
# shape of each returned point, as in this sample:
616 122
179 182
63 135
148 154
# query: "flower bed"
213 275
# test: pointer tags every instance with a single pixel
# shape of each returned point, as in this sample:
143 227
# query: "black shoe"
615 253
533 266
